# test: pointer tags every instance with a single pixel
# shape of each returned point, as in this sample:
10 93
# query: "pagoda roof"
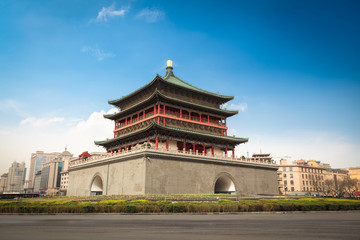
156 126
171 79
157 93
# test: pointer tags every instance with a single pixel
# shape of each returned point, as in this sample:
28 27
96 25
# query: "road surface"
321 225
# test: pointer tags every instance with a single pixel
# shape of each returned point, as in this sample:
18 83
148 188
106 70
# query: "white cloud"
150 15
107 12
242 107
97 53
40 122
11 105
52 135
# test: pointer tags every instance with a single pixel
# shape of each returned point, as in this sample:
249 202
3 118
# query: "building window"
284 168
307 183
290 169
302 176
292 189
306 176
304 188
292 182
303 182
285 182
284 175
291 175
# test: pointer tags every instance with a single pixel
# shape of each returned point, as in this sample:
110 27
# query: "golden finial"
169 63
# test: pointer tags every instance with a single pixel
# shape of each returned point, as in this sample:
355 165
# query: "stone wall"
185 177
150 172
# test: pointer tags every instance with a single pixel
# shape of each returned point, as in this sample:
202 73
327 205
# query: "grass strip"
165 206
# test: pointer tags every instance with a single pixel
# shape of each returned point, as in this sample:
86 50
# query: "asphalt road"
323 225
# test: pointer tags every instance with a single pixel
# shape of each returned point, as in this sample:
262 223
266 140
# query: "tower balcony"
150 148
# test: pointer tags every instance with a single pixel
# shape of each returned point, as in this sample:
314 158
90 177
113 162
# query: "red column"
167 145
125 121
121 149
212 150
159 108
164 121
222 132
193 147
189 115
143 114
158 120
200 117
156 142
208 118
233 153
138 117
184 146
154 109
180 113
149 141
225 152
204 150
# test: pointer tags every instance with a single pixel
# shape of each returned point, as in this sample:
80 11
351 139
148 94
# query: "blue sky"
293 67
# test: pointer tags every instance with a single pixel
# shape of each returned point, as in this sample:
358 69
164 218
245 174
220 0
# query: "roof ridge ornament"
169 69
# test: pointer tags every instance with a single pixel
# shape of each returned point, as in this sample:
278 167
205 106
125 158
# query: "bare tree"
329 187
350 185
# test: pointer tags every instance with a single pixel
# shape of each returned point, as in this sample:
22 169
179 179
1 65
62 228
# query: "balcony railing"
145 147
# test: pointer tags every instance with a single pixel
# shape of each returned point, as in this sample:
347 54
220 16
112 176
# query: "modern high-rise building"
51 173
16 178
3 182
37 159
171 137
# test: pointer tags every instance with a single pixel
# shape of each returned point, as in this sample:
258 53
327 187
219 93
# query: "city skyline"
292 67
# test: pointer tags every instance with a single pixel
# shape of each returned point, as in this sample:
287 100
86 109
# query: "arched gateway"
96 186
224 184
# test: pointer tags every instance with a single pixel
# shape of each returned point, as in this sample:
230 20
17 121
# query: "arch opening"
96 186
224 185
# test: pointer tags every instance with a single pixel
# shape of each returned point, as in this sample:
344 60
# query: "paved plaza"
322 225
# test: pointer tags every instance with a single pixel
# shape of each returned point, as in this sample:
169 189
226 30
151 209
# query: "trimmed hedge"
146 206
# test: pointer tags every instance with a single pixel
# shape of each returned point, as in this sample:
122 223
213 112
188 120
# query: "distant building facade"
354 173
37 159
3 182
51 173
37 180
16 178
300 176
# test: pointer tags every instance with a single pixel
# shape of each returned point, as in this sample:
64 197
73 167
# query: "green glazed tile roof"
177 81
230 112
207 134
171 78
154 124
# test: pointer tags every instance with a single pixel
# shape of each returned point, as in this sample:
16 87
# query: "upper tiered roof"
175 81
158 95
